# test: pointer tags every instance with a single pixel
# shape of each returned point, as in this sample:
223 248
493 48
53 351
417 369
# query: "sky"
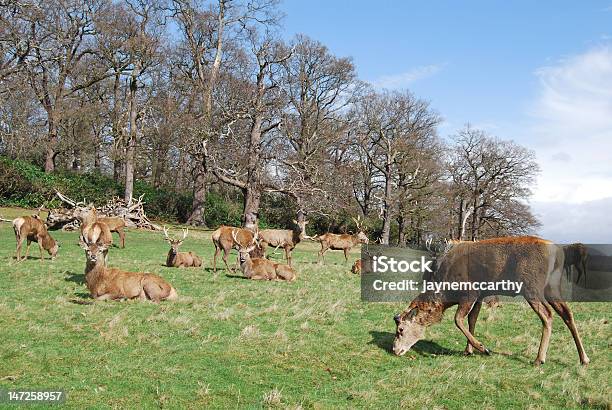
536 72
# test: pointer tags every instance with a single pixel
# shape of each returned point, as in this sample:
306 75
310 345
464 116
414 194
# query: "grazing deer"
178 259
576 255
534 262
32 229
343 242
223 240
111 283
356 269
283 238
260 268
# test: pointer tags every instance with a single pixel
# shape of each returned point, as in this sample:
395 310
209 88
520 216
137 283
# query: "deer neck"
171 257
90 218
247 266
93 271
48 242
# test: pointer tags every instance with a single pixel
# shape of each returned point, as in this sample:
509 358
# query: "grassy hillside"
231 342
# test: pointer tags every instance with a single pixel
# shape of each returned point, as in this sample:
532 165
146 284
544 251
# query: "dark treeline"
204 97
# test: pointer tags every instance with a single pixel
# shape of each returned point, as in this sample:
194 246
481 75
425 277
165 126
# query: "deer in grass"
92 229
356 269
283 238
343 242
33 229
106 283
58 218
178 259
261 268
534 262
576 255
223 239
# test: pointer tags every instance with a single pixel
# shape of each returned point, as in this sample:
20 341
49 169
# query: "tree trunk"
131 145
386 229
401 227
51 145
200 188
252 197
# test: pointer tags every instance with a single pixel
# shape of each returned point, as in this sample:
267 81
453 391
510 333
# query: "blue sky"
537 72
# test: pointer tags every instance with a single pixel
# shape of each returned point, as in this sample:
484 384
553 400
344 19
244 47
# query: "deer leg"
40 248
18 250
322 253
29 242
287 257
215 259
564 311
545 315
472 318
579 270
463 309
121 237
225 255
345 255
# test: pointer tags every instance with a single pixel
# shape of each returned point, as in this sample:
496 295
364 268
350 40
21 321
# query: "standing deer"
94 231
534 262
32 229
178 259
261 268
343 242
576 255
283 238
111 283
222 238
61 217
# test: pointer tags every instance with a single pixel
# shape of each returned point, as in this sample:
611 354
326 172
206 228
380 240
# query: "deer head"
94 252
361 231
175 243
243 249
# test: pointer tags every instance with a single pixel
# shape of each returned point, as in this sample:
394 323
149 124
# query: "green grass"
234 343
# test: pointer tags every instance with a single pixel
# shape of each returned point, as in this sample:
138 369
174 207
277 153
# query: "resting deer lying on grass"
341 242
261 268
178 259
576 255
356 269
32 229
112 283
283 238
223 240
534 262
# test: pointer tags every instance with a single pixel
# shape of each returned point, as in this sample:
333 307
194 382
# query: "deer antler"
185 233
166 236
235 238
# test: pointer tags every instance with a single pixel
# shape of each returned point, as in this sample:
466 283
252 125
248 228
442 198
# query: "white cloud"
572 137
589 222
405 79
573 128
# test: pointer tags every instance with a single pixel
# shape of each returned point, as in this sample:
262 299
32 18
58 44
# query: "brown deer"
261 268
356 269
111 283
32 229
58 218
178 259
576 255
222 238
534 262
343 242
283 238
92 230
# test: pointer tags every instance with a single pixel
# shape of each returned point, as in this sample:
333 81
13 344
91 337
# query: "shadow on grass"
384 340
78 278
227 275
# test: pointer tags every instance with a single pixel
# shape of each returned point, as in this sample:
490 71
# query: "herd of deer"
537 263
112 283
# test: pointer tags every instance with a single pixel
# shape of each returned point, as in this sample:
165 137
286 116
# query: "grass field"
234 343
